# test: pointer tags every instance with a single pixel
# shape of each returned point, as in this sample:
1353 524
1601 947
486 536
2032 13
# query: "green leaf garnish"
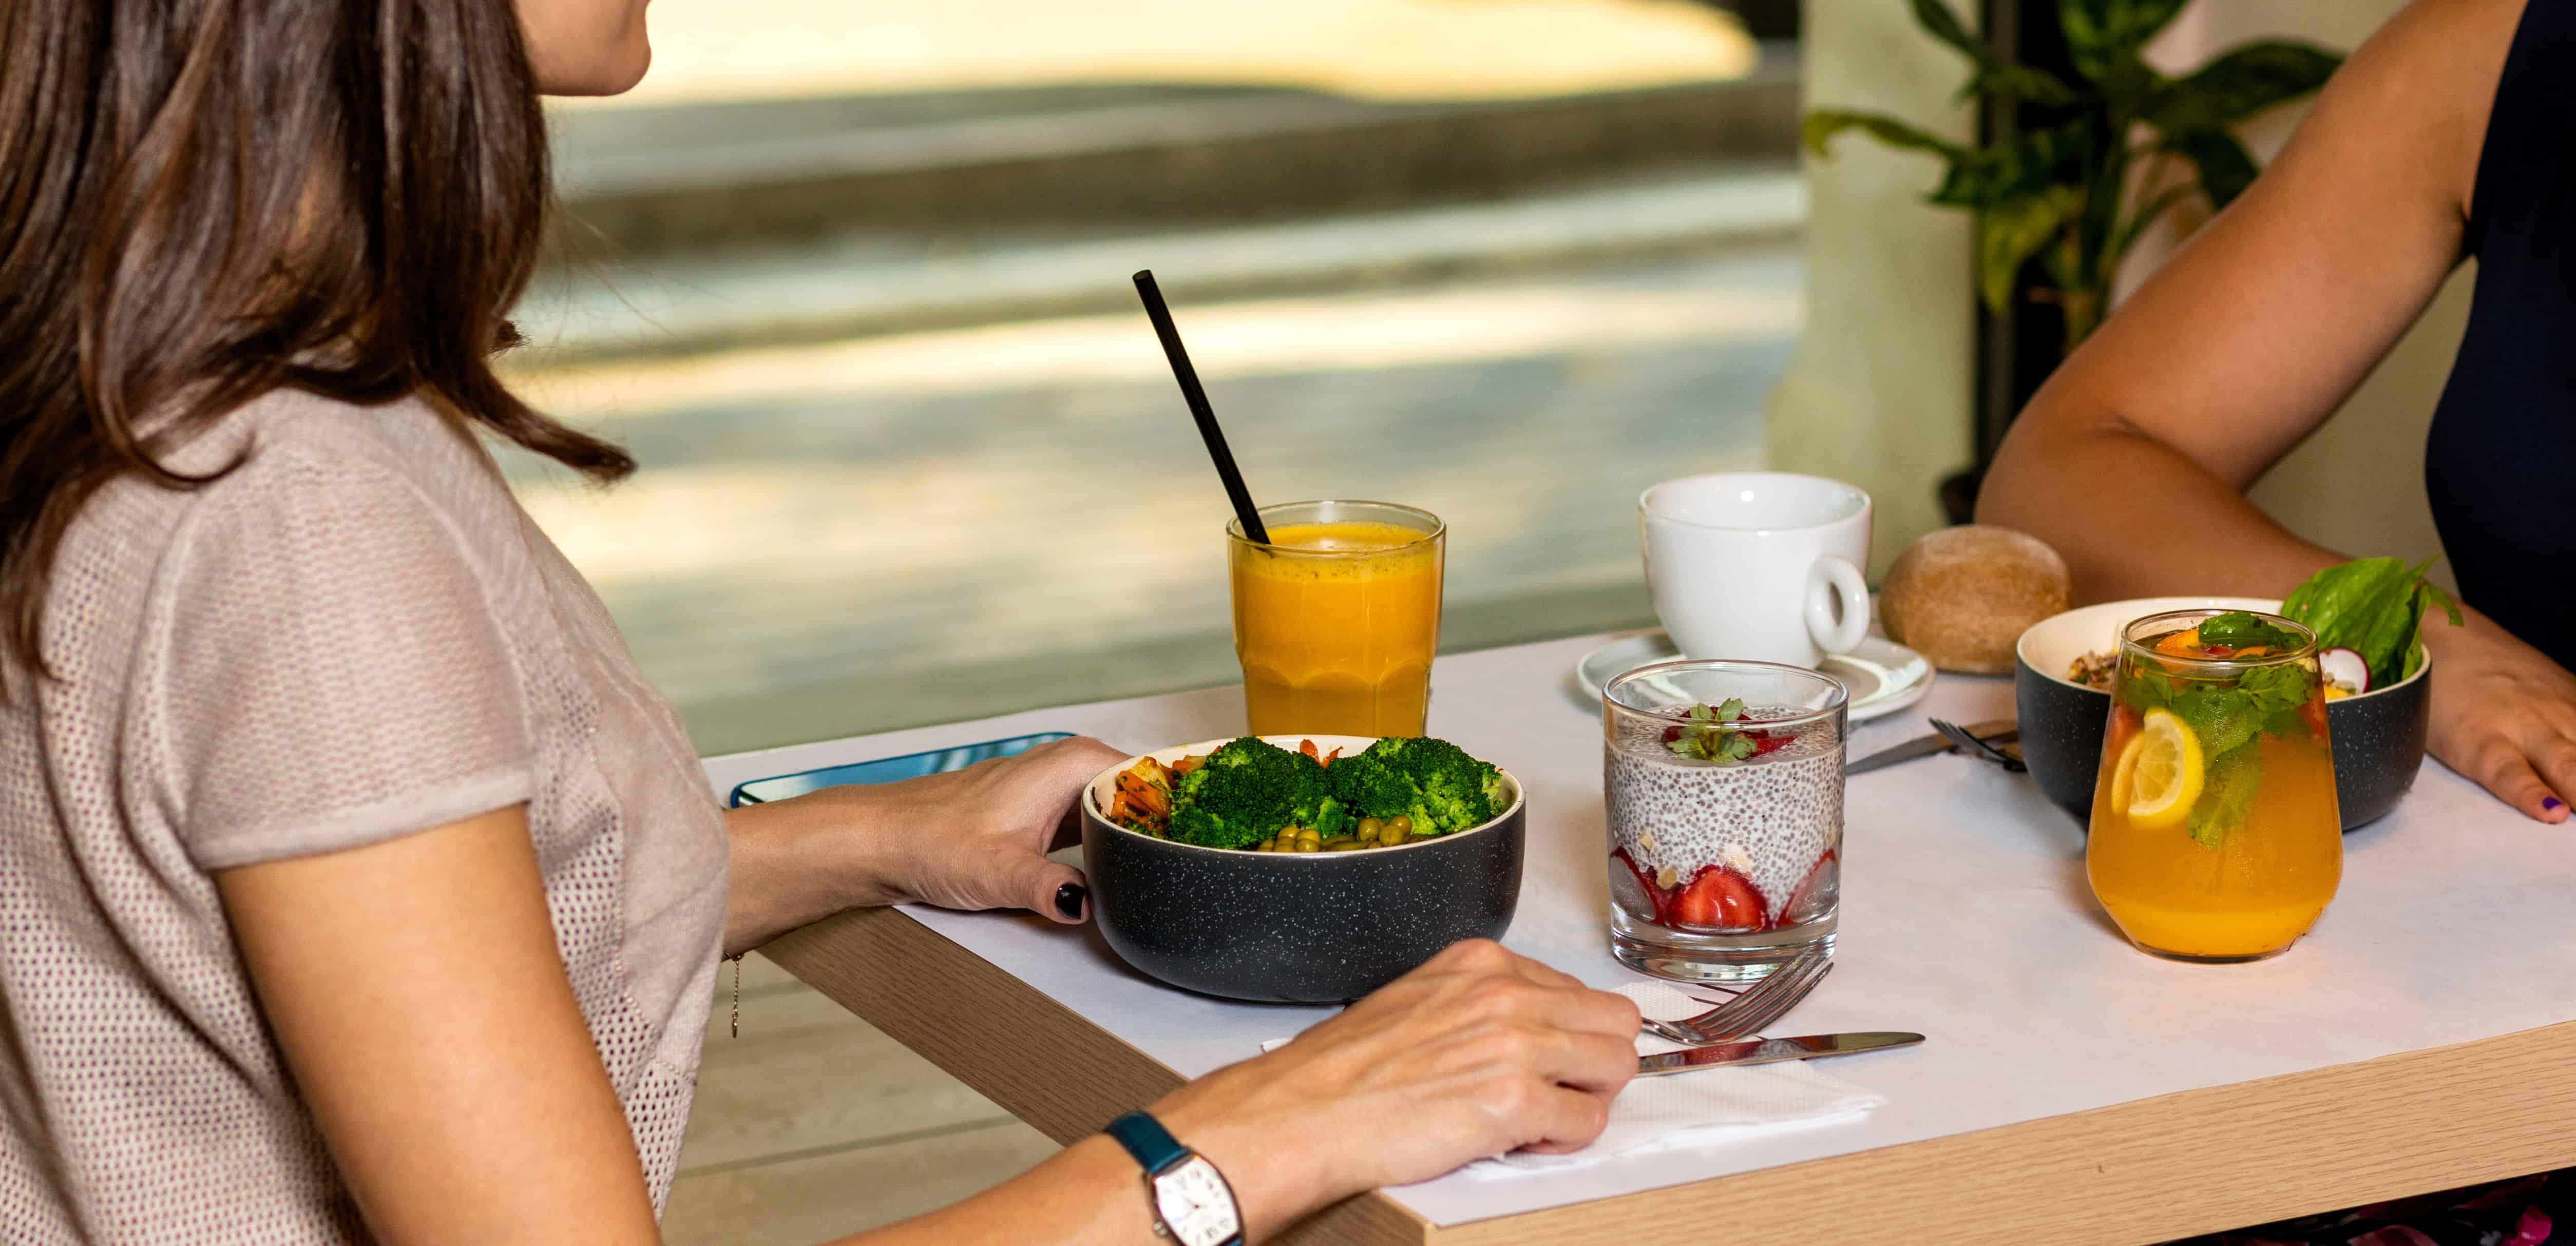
1716 742
2239 629
2230 723
2235 779
2374 607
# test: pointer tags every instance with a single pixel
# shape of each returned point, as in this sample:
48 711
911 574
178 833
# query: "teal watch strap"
1147 1140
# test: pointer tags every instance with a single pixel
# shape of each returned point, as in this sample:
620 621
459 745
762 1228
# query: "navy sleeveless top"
2500 466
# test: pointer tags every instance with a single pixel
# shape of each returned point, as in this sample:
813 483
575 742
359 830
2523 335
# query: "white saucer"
1882 676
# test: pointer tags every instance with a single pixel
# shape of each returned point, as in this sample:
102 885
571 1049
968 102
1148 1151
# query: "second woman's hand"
2503 714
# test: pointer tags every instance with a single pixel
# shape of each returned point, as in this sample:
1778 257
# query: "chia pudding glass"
1724 786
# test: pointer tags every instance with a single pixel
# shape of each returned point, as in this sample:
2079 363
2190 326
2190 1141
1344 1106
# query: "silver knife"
1991 733
1771 1051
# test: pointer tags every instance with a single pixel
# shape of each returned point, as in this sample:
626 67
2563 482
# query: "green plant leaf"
2103 38
2030 164
1995 76
1821 126
2240 84
2226 168
2005 80
2011 232
1944 25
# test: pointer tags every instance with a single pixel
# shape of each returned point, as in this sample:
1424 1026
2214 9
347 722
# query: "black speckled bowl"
2378 736
1305 928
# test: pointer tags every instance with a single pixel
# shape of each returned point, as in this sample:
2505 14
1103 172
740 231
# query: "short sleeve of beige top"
356 635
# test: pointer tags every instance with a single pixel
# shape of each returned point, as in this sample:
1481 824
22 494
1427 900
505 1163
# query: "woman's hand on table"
977 838
2503 714
1478 1052
971 839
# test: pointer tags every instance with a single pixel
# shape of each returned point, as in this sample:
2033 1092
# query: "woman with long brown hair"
353 884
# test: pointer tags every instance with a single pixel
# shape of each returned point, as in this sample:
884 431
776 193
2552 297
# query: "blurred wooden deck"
813 1124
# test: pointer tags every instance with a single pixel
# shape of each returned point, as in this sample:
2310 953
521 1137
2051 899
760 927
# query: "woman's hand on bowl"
971 839
2503 714
1478 1052
977 838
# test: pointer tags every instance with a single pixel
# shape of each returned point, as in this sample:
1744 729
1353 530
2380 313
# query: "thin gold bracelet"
736 958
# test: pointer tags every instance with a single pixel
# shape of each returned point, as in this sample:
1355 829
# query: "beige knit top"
357 635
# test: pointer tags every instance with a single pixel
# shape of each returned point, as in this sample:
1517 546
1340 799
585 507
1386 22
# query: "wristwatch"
1192 1203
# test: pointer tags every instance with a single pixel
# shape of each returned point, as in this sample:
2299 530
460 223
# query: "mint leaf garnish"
2235 778
1716 742
2239 629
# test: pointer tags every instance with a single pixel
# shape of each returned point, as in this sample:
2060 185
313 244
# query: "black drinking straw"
1197 397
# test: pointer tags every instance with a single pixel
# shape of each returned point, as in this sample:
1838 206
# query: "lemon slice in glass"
2159 774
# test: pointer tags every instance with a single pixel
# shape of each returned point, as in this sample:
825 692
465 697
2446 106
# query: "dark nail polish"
2552 804
1069 898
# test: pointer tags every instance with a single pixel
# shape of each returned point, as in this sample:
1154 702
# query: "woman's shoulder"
322 457
2406 117
298 478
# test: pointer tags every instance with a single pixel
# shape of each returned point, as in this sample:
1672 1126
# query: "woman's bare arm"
416 991
419 999
2133 459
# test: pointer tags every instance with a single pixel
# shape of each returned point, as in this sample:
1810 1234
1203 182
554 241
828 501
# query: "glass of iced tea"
2215 835
1337 616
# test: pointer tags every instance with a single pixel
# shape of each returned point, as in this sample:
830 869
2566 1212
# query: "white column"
1879 393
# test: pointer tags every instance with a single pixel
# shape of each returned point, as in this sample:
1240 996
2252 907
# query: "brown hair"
202 201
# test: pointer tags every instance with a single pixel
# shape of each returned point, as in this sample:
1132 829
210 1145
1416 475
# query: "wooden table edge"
2145 1171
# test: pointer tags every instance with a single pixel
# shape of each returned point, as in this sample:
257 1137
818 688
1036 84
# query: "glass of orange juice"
1336 618
2215 835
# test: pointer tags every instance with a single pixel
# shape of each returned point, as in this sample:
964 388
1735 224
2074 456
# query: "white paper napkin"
1693 1109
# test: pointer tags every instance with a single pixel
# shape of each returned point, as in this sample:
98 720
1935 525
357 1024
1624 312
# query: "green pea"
1308 845
1403 823
1389 836
1369 827
1345 844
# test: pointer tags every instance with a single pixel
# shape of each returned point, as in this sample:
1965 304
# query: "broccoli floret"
1245 792
1456 791
1370 788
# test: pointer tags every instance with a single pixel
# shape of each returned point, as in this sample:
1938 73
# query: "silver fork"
1759 1005
1968 742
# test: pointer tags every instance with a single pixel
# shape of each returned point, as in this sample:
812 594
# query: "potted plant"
2088 165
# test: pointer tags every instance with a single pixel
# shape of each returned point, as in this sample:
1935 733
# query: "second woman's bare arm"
2133 459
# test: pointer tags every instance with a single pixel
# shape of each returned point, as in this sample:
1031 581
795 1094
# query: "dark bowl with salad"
1300 869
2368 616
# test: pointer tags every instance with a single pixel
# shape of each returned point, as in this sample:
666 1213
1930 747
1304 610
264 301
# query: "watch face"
1196 1204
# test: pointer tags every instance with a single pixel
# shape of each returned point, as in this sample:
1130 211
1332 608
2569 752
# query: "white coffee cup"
1759 566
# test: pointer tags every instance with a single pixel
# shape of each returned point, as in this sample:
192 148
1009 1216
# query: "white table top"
1965 916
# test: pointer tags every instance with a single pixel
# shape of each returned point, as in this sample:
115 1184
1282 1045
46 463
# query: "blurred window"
852 282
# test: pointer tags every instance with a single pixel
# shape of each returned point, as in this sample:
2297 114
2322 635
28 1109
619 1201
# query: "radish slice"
2345 667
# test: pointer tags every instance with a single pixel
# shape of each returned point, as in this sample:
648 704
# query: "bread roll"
1961 597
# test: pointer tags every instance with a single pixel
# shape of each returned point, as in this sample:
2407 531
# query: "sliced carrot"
1308 748
1327 759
